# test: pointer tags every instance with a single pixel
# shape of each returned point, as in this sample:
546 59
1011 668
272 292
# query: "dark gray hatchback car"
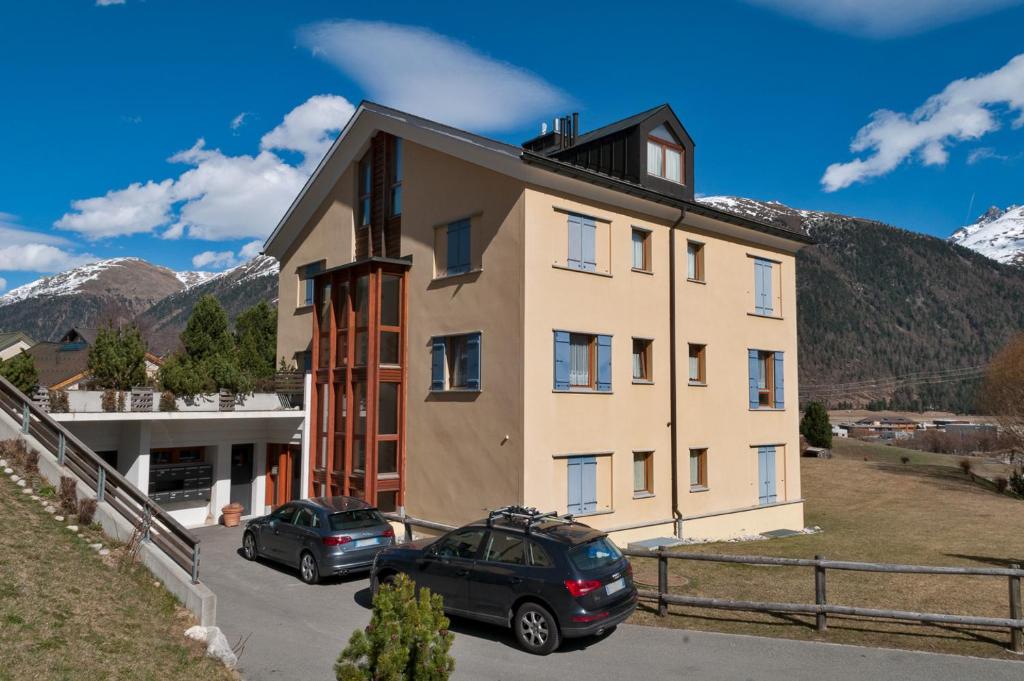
321 537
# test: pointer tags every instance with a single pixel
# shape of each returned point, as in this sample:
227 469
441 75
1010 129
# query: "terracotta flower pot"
232 514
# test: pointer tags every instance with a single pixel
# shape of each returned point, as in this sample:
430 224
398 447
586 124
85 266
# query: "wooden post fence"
819 594
1016 633
662 580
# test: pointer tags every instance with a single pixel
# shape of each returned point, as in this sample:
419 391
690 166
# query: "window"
504 547
304 518
583 361
595 555
697 374
396 175
766 477
365 189
694 261
764 301
582 243
284 514
455 363
642 360
643 473
766 374
459 544
539 557
698 469
582 494
664 155
458 261
641 250
307 283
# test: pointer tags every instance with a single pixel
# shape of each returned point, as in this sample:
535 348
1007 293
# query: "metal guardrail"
821 609
166 533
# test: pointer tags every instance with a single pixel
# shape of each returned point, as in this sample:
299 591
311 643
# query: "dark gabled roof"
80 333
624 124
55 364
9 338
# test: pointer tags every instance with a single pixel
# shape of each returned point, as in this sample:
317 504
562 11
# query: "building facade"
557 324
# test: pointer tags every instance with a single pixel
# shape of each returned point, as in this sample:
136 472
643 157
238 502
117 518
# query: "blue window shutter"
769 468
758 287
604 363
473 361
589 244
752 380
762 475
766 287
437 363
561 360
575 256
574 469
464 239
780 393
589 484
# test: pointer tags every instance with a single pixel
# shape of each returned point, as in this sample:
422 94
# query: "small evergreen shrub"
109 400
168 402
407 639
1017 483
59 402
67 495
86 511
966 466
904 460
1001 484
815 425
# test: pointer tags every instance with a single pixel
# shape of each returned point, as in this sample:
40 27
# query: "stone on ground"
196 633
95 547
22 483
73 528
15 478
104 552
218 647
8 471
26 490
51 509
59 518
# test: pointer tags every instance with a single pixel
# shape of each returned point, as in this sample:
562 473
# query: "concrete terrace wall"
196 597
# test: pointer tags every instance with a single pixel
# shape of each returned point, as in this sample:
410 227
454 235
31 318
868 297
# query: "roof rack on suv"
530 516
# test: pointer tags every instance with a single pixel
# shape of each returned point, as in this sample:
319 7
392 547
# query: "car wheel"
536 629
387 579
249 546
308 570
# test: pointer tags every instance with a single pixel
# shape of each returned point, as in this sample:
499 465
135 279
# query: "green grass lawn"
925 512
65 613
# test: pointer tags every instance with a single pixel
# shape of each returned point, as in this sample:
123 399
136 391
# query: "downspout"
673 428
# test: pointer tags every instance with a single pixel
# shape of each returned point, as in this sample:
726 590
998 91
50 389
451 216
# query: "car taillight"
581 587
589 618
629 570
336 541
390 532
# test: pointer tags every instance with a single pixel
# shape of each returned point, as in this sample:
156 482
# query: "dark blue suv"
545 576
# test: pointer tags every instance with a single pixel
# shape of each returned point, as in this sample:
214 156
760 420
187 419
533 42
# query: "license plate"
360 543
615 587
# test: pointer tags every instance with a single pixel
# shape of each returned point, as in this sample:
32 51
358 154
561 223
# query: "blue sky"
95 101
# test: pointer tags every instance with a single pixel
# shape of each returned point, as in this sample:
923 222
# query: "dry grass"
924 512
65 614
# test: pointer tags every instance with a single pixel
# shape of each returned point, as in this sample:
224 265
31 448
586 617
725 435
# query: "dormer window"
664 155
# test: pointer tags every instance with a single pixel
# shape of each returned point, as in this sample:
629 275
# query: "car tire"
535 629
309 572
249 549
387 579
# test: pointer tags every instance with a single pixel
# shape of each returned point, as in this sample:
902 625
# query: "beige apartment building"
557 324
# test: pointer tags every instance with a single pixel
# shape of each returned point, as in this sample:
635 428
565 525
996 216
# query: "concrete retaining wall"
196 597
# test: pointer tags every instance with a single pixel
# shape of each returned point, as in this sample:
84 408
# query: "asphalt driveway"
293 631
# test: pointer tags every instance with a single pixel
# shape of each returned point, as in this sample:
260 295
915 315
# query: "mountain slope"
237 289
876 301
997 233
114 290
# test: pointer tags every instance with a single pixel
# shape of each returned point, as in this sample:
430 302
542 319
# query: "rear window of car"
595 555
355 520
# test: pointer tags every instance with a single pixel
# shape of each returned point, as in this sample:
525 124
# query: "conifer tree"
256 338
21 371
117 359
815 425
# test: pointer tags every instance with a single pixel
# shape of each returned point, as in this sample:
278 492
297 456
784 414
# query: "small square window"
641 250
694 261
643 473
641 360
698 469
697 369
766 379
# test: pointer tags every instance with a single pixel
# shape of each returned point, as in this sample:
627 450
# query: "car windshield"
600 553
354 520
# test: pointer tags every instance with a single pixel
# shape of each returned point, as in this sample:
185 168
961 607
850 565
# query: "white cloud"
884 18
984 153
239 120
214 259
25 250
107 3
219 196
135 209
310 128
966 109
422 72
250 250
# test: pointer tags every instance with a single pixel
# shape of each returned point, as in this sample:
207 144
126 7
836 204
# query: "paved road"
295 632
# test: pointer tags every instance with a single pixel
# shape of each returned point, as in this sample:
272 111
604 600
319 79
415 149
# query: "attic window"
664 155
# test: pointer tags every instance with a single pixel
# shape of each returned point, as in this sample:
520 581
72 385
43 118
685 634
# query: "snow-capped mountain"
997 234
190 279
65 283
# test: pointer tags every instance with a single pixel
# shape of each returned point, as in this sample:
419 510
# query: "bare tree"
1002 393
